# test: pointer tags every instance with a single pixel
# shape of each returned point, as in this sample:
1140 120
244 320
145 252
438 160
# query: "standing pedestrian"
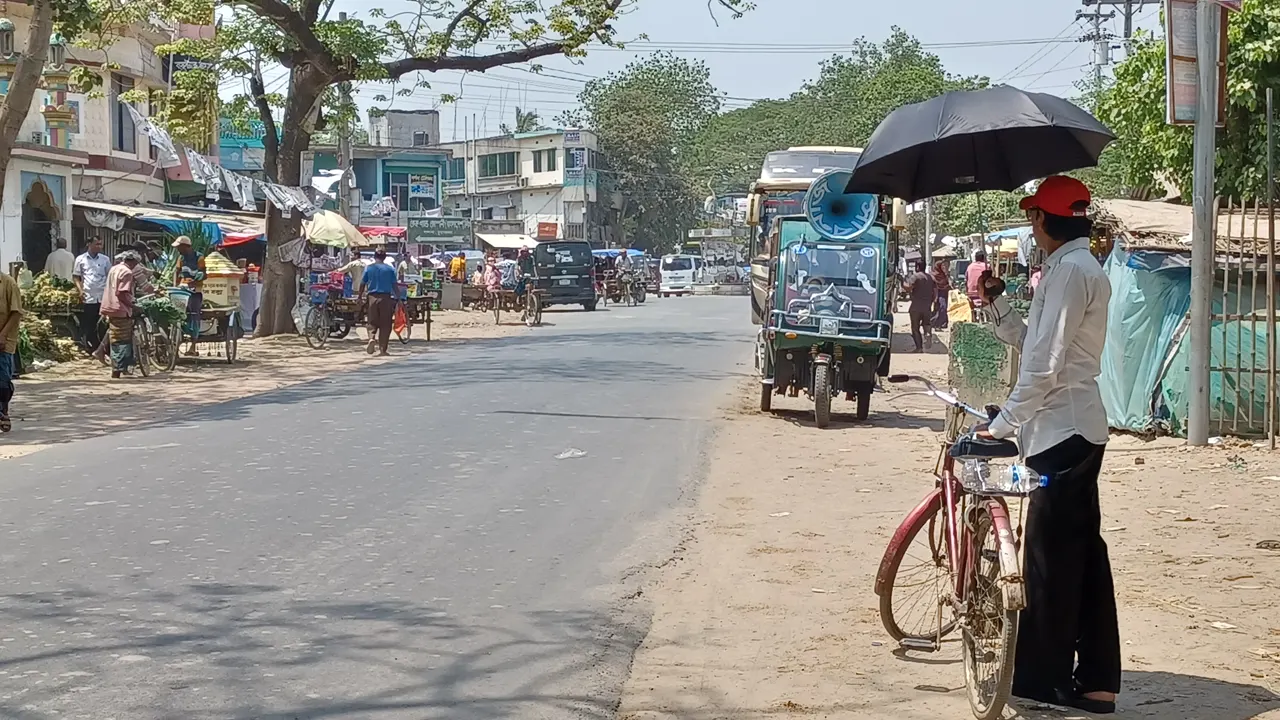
89 273
60 263
117 307
10 316
942 285
379 284
1068 636
922 293
973 278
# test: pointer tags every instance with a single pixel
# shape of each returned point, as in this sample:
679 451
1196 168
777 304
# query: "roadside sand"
78 399
768 611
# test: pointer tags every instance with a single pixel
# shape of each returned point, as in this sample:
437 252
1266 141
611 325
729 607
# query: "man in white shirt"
89 273
60 262
1068 637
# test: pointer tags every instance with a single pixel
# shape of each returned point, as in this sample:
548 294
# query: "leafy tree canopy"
1148 149
646 118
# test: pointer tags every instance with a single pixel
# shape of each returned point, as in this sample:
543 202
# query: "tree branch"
294 25
270 141
468 12
478 63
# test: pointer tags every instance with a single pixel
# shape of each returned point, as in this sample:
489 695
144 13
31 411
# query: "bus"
784 179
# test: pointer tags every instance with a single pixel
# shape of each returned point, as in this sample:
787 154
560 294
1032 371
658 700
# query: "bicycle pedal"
918 644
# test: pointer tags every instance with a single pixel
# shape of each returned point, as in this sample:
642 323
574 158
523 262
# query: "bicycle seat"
971 447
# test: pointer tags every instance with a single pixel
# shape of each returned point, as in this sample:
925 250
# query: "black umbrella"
999 138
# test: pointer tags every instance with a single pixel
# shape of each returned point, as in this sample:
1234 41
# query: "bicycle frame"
955 501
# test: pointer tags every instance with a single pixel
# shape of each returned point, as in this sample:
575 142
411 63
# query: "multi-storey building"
75 146
546 179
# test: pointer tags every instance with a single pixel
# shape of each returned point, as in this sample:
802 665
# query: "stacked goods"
50 296
37 341
221 285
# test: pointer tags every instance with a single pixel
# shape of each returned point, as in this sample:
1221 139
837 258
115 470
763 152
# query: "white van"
677 274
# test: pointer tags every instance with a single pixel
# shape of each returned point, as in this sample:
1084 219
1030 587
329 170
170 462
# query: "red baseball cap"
1056 195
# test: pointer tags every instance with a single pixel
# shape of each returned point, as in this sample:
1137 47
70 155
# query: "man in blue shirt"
379 283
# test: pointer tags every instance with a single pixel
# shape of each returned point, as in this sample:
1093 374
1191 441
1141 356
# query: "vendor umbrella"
330 228
999 138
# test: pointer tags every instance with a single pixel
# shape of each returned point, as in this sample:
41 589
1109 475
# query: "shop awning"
172 218
506 242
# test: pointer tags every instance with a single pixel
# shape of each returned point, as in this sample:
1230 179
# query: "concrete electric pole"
1205 212
1128 9
1101 40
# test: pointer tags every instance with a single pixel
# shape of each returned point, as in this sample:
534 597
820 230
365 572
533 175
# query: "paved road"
402 543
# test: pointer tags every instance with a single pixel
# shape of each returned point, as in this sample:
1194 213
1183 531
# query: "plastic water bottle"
1015 479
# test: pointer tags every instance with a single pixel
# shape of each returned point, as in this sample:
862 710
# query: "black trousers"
90 333
1068 636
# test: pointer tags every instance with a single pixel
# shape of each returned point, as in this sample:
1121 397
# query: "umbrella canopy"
330 228
999 138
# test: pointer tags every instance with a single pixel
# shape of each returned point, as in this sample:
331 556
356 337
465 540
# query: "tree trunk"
25 82
280 279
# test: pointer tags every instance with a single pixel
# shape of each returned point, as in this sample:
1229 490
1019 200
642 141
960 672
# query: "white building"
404 128
73 146
547 179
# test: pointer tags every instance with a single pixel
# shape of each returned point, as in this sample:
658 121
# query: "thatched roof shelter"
1140 225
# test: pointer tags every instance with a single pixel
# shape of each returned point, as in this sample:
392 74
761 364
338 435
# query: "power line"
1041 53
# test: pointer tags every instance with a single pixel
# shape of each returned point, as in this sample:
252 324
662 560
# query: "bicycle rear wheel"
990 629
916 578
142 348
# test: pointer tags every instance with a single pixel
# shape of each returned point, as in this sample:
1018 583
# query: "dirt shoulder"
769 610
78 399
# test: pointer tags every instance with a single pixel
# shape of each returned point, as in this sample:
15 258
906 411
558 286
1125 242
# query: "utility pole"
926 247
1128 9
346 154
1101 42
1205 218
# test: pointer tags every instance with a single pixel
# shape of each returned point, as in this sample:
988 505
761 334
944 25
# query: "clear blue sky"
746 61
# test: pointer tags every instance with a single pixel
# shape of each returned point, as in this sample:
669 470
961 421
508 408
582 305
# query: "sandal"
5 423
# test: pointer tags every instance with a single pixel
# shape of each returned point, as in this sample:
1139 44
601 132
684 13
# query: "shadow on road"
46 415
254 651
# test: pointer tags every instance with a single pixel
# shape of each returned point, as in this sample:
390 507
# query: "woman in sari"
942 282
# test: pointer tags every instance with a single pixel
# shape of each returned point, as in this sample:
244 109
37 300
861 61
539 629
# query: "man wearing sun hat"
1068 637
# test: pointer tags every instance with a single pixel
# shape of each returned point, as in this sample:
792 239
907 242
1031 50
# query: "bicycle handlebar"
945 397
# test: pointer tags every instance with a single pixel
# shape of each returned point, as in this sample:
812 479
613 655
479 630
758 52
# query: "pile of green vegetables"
161 312
38 341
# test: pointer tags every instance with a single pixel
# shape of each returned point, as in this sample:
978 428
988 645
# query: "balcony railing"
574 231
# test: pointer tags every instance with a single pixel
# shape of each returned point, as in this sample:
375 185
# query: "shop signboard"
427 229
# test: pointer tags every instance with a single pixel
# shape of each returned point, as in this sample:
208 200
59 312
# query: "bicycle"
532 312
972 552
152 348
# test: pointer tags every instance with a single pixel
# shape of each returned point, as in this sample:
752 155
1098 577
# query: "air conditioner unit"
524 182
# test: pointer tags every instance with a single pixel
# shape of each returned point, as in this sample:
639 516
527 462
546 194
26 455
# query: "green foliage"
1149 149
960 215
842 106
647 118
526 121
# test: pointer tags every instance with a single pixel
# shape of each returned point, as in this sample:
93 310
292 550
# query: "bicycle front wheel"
990 629
316 327
915 577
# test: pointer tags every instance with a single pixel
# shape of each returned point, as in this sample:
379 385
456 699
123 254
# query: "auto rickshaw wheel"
766 397
864 403
822 394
